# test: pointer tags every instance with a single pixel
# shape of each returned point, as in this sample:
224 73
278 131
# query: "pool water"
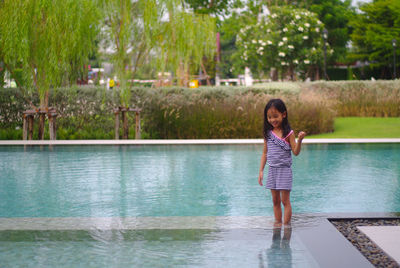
182 181
139 181
155 248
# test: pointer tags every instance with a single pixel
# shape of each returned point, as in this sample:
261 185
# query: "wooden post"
28 121
52 126
137 126
30 127
25 127
116 112
125 123
42 117
52 115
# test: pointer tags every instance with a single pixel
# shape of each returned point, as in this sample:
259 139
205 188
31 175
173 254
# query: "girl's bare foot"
287 225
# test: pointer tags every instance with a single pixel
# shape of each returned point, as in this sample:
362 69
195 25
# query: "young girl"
279 140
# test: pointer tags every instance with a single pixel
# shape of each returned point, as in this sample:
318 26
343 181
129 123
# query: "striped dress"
279 158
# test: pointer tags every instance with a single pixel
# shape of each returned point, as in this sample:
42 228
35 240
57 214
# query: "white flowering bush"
287 39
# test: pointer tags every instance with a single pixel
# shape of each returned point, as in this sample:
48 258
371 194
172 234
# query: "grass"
363 127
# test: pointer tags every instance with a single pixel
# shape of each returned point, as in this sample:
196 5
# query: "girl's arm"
262 164
296 146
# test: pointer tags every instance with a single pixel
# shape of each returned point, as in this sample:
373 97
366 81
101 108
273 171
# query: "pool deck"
186 141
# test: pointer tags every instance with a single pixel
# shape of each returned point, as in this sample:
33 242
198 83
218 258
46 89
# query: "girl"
279 140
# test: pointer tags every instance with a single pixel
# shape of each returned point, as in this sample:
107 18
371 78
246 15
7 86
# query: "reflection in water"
279 254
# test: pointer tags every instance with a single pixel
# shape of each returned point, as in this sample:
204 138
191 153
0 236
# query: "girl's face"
275 117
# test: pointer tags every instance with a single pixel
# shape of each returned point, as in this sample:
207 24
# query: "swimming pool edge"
187 142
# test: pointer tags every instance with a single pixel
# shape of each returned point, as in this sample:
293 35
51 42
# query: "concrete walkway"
386 237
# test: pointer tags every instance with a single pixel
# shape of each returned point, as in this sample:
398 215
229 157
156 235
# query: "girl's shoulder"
290 133
269 134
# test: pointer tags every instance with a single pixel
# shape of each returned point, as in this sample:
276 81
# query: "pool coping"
187 141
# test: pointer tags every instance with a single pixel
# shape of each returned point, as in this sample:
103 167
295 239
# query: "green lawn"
363 127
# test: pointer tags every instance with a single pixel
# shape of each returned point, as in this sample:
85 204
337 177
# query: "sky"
355 2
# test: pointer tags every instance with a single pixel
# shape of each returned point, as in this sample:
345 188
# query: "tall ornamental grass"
228 113
361 98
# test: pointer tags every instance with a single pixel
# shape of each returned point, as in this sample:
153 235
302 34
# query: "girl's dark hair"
281 107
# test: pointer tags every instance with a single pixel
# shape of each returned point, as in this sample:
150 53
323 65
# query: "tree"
335 15
230 65
374 29
218 7
185 40
162 29
241 15
128 29
222 10
49 40
287 39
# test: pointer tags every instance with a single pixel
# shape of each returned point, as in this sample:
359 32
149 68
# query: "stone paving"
350 228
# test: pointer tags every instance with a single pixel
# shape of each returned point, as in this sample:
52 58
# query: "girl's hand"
301 136
260 178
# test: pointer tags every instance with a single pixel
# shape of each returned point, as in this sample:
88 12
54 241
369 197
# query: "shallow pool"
67 187
215 180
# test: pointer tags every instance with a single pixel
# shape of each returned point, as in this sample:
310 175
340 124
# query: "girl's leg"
276 200
287 207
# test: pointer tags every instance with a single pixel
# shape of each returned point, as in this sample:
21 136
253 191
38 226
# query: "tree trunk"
30 127
317 77
182 75
44 106
137 126
116 111
274 74
205 73
42 117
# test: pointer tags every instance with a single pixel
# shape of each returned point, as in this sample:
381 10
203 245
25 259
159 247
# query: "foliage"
50 40
207 112
130 28
11 107
83 113
335 15
186 39
230 65
158 29
209 7
167 112
374 29
288 39
2 72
